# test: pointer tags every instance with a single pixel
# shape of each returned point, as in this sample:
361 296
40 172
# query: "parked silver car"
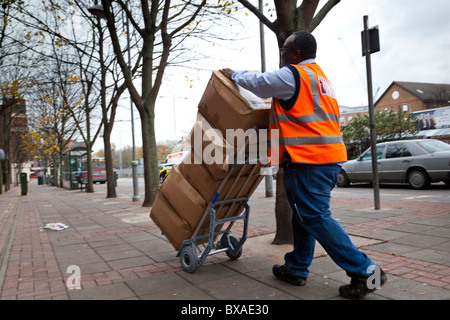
416 162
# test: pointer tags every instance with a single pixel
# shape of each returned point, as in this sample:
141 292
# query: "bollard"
24 183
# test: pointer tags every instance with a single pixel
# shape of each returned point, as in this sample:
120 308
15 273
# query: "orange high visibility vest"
309 130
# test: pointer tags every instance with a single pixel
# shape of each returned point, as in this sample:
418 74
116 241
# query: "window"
368 154
434 145
397 150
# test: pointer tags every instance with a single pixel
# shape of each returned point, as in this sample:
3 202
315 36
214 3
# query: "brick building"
13 123
425 100
404 96
414 96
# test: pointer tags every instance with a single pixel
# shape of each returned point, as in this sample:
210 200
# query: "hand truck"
190 254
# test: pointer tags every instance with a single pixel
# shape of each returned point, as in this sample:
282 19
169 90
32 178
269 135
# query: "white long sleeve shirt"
279 84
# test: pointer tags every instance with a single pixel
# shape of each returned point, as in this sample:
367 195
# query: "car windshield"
434 145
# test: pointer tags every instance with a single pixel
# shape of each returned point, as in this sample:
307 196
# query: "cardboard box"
232 189
244 188
169 222
186 201
206 184
228 106
210 148
200 178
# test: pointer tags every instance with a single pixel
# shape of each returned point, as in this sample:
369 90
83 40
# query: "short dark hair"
306 43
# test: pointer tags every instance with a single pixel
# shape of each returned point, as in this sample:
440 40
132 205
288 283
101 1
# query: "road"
436 192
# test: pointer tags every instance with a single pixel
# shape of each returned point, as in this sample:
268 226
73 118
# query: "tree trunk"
283 213
150 158
90 184
110 183
7 175
60 168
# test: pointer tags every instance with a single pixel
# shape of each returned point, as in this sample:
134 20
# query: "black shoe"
280 273
358 288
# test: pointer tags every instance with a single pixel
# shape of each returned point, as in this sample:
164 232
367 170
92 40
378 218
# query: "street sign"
374 40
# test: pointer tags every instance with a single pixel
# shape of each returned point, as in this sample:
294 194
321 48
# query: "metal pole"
261 40
134 163
268 179
373 133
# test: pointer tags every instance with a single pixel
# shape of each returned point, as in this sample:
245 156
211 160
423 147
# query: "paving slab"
116 291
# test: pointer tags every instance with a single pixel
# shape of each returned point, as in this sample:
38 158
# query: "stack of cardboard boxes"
188 189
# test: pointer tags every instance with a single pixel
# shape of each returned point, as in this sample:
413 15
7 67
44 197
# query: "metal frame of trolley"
190 254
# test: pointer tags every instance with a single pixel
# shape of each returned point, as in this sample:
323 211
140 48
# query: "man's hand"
227 72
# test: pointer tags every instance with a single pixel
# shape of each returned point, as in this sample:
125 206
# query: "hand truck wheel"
233 254
189 258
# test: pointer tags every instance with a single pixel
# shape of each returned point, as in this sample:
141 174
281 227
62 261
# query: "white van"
176 157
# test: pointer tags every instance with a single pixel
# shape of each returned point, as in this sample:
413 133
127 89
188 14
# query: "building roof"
422 90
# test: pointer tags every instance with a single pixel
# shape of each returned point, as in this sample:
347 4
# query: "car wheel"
418 179
342 180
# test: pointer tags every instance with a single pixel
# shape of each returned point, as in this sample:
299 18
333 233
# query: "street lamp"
98 11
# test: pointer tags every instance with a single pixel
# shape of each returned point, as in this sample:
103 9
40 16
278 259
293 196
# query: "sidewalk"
121 254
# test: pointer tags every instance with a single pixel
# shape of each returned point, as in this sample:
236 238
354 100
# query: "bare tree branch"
322 13
259 15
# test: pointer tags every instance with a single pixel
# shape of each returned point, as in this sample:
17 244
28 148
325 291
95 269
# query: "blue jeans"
308 189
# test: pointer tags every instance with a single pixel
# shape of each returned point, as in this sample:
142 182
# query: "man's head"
299 46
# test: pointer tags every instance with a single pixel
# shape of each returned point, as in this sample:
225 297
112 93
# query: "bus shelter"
72 166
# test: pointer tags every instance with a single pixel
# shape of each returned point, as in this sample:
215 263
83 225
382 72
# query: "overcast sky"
414 41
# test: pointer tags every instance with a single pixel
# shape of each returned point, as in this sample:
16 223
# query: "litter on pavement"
55 226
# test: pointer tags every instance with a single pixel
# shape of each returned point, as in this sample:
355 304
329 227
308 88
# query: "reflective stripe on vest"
314 88
304 119
291 141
